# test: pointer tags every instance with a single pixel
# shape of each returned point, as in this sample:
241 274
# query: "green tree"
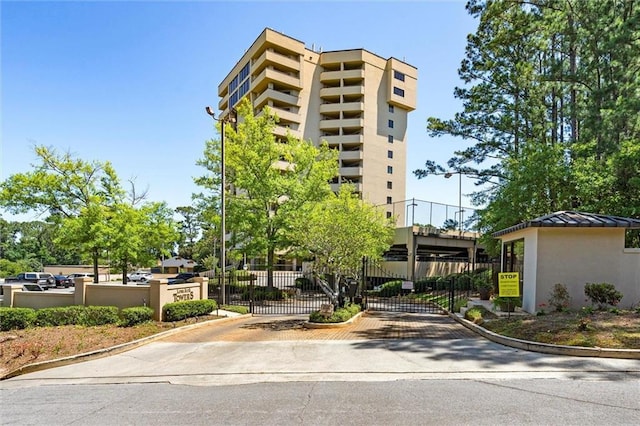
189 230
139 236
340 231
73 191
550 107
271 182
88 211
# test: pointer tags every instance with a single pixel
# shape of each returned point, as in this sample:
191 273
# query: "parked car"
183 277
33 287
44 279
75 275
141 276
63 281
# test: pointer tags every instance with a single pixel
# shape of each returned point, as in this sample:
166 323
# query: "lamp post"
447 176
413 206
230 118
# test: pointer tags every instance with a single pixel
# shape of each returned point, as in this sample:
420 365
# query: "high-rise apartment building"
355 100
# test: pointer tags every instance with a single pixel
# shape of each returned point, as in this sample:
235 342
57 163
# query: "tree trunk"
270 258
96 277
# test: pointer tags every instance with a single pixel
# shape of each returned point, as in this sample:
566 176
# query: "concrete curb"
113 350
545 347
350 321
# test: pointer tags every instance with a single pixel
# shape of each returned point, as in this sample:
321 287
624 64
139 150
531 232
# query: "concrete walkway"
378 347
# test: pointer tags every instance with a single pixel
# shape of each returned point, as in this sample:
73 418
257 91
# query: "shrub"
66 315
482 279
460 303
16 318
263 293
100 315
240 309
390 289
339 315
504 303
475 314
426 285
559 298
177 311
77 315
602 294
135 315
245 276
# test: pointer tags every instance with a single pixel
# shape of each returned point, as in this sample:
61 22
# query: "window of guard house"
632 238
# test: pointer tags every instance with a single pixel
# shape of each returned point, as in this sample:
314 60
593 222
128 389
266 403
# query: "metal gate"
288 292
384 291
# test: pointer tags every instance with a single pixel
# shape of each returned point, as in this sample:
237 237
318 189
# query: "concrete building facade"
356 101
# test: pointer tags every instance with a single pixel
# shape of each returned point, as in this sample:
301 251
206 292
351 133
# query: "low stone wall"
155 294
34 299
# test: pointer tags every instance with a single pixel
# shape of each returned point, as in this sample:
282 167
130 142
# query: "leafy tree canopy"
550 109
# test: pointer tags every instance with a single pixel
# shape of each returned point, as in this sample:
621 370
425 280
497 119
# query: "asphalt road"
386 369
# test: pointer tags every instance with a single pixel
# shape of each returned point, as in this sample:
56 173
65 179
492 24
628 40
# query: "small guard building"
571 248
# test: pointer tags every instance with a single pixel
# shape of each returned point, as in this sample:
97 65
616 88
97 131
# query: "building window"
390 138
390 170
389 200
389 184
389 154
391 124
388 215
391 109
398 75
398 91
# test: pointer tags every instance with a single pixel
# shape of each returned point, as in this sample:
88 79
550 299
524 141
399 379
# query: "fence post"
251 283
451 294
365 293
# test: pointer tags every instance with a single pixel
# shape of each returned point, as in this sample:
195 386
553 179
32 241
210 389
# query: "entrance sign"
509 284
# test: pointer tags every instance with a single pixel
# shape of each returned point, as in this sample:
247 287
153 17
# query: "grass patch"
602 329
239 309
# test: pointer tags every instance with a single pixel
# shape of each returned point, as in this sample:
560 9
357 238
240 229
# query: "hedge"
339 315
135 315
16 318
178 311
77 315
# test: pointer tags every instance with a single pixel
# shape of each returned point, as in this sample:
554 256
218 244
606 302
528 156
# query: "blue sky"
127 82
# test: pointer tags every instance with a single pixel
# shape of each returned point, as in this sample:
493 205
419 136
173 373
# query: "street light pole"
447 176
413 206
223 185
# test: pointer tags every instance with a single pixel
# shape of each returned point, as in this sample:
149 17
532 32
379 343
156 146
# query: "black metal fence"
384 291
278 292
293 292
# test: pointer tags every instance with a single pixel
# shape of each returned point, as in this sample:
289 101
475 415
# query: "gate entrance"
287 292
384 291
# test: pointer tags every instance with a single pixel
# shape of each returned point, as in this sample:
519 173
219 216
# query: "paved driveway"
379 347
372 325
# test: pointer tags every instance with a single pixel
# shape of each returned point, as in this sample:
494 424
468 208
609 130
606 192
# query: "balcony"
351 155
349 106
350 171
270 57
276 95
271 75
328 92
345 139
283 115
350 123
335 187
282 131
337 75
